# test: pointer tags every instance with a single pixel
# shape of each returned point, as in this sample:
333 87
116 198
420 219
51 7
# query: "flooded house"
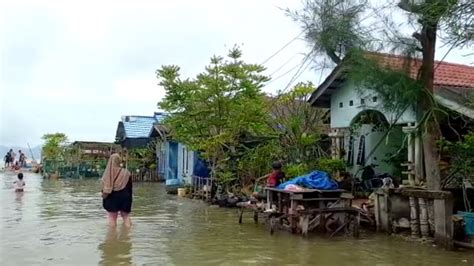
177 163
133 130
374 141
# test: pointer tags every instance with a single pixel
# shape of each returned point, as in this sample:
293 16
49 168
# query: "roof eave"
321 96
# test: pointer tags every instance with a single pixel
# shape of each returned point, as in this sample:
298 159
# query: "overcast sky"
78 66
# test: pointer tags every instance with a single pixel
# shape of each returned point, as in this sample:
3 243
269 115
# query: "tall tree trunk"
431 134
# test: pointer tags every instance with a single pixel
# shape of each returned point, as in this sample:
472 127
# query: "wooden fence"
201 187
147 177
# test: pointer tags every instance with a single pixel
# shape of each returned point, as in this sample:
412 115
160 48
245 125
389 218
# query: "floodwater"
61 222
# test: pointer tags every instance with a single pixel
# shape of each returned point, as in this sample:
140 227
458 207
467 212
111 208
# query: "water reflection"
19 198
61 222
116 248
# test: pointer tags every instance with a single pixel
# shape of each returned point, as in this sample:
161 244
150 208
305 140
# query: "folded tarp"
313 180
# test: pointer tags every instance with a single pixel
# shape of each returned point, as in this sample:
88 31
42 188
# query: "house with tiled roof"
364 134
133 130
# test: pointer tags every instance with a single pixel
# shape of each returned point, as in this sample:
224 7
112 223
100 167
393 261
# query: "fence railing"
201 187
150 176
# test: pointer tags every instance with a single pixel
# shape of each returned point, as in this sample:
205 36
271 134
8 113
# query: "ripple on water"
62 223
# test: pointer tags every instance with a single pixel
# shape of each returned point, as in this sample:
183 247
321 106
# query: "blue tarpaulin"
314 180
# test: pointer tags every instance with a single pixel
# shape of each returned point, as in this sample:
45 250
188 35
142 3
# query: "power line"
284 46
284 74
284 64
299 72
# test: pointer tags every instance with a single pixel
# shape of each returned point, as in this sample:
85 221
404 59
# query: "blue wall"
172 165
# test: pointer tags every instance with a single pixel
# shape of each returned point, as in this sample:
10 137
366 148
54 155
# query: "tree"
332 27
430 17
214 111
53 148
458 23
298 124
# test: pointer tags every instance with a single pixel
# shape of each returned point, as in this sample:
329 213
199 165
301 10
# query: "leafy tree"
298 124
218 108
53 148
332 27
428 17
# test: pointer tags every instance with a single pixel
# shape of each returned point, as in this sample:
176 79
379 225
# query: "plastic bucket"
181 192
469 222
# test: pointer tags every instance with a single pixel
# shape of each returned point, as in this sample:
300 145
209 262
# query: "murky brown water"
62 223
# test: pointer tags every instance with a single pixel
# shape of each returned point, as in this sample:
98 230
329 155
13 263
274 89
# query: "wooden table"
305 210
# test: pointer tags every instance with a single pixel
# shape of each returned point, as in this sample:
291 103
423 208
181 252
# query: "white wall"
342 117
390 145
185 163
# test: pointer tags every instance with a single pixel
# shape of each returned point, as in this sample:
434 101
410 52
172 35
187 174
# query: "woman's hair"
20 176
276 165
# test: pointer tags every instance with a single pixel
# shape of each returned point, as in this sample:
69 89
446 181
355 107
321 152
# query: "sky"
77 66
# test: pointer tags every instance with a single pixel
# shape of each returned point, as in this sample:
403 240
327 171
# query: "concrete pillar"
410 148
410 130
414 224
336 142
338 148
418 159
443 212
424 228
383 219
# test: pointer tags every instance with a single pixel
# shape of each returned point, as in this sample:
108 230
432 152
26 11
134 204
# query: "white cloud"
139 90
77 66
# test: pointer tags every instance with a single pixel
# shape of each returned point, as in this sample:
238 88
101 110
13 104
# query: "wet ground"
61 222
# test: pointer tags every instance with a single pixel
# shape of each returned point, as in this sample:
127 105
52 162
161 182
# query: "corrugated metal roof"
160 117
136 126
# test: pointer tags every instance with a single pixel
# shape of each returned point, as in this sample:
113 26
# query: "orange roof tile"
446 74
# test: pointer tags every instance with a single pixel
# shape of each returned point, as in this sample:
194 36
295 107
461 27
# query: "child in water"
19 183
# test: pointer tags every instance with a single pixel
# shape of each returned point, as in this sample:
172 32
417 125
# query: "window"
341 105
362 101
351 103
374 99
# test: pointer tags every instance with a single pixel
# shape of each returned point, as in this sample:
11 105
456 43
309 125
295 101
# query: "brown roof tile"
446 74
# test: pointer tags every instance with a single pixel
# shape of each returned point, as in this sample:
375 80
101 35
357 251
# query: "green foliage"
298 124
294 170
142 157
462 153
332 27
257 162
54 146
397 159
223 113
331 166
212 112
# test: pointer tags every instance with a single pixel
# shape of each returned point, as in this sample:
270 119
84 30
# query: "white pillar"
410 131
418 157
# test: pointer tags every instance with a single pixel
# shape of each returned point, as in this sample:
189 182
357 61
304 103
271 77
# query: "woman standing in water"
117 191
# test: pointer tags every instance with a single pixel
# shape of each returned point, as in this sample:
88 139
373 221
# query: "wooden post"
269 204
304 223
322 217
423 218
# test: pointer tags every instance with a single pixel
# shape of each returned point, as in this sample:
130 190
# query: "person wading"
117 191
